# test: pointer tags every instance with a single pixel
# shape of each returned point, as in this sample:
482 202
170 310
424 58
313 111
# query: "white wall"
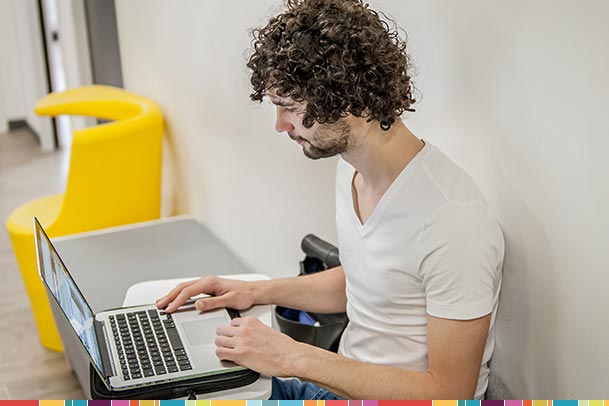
24 78
3 119
252 186
4 41
513 92
13 98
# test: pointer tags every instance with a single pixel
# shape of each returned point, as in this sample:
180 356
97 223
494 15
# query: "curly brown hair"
338 56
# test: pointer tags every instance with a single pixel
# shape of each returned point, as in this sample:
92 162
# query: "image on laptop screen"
67 295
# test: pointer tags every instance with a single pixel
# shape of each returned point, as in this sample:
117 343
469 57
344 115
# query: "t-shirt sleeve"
460 255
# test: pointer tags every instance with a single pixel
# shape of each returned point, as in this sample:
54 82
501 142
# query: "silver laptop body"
134 346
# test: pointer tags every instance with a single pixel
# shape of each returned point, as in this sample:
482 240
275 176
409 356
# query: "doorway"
81 41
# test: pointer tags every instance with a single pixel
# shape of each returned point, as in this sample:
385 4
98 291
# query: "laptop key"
154 341
174 338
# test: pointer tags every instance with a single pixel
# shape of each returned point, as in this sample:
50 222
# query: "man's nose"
282 123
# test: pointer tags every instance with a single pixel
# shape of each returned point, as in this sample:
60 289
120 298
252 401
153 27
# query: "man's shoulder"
449 179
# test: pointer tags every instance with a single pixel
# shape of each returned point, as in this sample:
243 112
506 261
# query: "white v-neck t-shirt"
431 246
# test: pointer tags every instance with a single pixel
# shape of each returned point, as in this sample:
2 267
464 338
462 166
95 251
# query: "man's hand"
224 293
251 343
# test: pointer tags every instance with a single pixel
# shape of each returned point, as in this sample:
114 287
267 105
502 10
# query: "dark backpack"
321 330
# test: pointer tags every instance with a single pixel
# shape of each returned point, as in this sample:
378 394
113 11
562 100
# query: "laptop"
138 346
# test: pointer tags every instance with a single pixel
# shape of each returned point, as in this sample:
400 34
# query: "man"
421 254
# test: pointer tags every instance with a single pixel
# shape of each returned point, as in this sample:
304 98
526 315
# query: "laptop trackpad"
201 332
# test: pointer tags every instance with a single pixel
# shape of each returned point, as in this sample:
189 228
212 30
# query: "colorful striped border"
304 403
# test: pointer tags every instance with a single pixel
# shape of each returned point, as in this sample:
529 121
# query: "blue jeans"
295 389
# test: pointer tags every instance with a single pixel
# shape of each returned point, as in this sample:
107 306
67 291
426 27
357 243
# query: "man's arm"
322 292
455 350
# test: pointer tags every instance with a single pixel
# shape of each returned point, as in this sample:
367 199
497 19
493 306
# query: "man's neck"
380 156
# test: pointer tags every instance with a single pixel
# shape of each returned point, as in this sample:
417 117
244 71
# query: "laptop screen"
59 282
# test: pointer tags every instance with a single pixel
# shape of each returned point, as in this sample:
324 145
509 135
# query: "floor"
27 370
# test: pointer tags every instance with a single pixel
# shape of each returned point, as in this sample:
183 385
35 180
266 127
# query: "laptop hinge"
233 313
103 349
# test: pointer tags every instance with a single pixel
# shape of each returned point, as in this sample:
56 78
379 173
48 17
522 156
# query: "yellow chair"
114 178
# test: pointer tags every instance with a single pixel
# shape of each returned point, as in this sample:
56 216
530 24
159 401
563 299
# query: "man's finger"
236 322
227 331
225 341
226 354
165 300
210 303
182 297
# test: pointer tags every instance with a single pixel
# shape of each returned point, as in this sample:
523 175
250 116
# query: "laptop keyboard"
148 345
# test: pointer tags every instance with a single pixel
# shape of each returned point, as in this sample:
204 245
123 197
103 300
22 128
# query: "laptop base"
186 389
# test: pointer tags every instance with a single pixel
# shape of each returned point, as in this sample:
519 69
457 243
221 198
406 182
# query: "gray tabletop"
104 265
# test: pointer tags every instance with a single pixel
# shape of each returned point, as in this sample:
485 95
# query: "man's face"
319 141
